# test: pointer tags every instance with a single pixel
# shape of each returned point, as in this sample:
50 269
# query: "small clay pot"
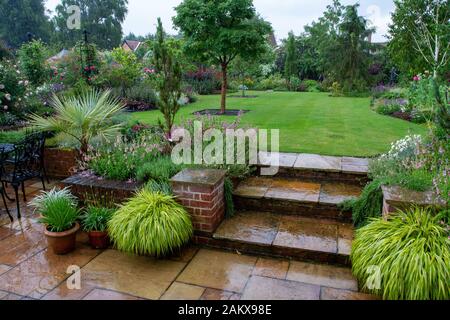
98 239
62 242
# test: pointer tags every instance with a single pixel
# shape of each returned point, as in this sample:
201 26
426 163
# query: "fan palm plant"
83 118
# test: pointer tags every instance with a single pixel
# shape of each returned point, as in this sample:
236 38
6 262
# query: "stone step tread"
315 162
298 190
287 232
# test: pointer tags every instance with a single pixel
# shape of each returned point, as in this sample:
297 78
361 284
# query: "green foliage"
228 192
13 88
120 160
163 187
218 32
273 82
368 205
336 90
33 64
12 136
413 32
387 109
169 84
311 85
290 65
96 219
158 169
412 252
83 118
102 19
58 209
19 18
150 224
142 92
127 72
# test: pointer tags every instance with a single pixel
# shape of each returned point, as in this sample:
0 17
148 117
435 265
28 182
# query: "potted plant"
95 223
59 214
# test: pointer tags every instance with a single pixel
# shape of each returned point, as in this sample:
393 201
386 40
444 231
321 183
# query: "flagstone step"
316 166
265 233
304 197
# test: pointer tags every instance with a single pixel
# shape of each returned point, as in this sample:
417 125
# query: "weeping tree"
169 80
218 31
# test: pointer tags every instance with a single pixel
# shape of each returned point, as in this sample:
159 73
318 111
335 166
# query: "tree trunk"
224 88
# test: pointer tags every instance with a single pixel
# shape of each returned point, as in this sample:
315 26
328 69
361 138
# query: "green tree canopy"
420 36
20 17
218 31
101 18
290 65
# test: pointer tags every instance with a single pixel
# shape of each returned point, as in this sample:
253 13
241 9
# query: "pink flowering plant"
121 159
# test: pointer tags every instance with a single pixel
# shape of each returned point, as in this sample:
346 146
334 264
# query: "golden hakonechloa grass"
151 223
411 252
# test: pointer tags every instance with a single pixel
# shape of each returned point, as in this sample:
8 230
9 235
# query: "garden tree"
245 71
322 36
101 18
420 36
5 52
32 57
218 31
307 58
169 81
290 65
350 60
19 18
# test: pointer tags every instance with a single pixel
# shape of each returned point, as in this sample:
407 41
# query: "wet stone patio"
28 270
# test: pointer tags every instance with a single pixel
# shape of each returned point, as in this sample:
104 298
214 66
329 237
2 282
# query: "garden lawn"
310 122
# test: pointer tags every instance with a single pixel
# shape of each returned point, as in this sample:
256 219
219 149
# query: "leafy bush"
14 88
311 85
142 92
8 119
96 219
84 118
12 136
158 169
33 57
159 186
58 209
412 250
229 203
336 90
273 82
150 224
203 81
387 109
368 205
121 159
294 84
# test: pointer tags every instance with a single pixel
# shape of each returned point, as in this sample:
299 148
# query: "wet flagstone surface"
291 189
28 270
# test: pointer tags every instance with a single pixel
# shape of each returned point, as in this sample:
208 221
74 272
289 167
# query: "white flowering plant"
14 89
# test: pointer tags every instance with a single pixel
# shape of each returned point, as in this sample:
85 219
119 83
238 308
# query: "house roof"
132 44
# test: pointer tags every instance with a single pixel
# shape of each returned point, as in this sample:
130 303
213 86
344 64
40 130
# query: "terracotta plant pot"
62 242
98 239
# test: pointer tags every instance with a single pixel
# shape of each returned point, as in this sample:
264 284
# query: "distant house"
131 45
273 40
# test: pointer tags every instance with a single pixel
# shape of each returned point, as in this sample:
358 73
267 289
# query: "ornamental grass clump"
411 250
151 223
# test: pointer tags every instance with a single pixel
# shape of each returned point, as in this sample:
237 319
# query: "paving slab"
262 288
250 227
182 291
102 294
284 160
218 270
339 294
294 190
254 187
271 268
323 275
318 163
306 234
335 192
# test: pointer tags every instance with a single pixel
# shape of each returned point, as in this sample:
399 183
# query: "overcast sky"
285 15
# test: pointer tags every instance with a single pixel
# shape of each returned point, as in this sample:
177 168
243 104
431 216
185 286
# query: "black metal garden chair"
3 158
26 163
